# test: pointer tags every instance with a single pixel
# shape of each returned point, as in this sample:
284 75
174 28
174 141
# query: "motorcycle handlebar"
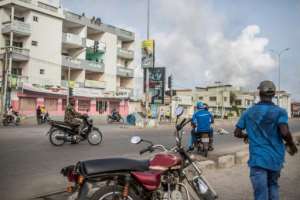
146 150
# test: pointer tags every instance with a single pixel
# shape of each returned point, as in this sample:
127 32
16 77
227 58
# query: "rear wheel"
5 122
113 193
95 137
53 137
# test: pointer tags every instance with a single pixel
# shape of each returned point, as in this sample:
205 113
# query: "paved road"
30 165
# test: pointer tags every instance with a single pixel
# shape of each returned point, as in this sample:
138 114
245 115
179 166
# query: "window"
101 106
200 98
16 71
238 102
213 98
42 71
225 98
35 18
34 43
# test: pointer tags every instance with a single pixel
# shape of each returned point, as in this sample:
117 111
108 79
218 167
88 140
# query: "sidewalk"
234 183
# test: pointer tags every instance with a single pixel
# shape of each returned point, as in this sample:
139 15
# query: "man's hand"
291 149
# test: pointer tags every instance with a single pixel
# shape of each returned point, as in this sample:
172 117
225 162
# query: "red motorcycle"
171 174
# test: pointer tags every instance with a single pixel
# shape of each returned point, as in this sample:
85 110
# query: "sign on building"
148 53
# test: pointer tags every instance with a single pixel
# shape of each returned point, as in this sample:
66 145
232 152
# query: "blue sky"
201 41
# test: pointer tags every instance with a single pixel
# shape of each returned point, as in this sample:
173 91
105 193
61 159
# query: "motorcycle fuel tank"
164 161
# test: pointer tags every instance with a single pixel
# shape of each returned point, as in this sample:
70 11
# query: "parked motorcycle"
171 174
114 118
61 132
10 119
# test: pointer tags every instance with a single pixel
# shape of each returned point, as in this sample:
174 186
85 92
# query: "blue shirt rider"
201 123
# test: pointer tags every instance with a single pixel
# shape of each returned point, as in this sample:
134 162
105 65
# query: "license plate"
205 139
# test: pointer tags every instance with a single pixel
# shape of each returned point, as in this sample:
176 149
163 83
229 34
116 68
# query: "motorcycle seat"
94 167
61 123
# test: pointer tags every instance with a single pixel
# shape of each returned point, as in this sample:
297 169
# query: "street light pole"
218 85
146 69
278 54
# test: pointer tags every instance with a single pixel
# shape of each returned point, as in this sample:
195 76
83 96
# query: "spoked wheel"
113 193
56 137
5 122
95 137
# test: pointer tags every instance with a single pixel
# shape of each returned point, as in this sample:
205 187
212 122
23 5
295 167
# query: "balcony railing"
18 27
91 43
18 54
94 84
125 72
125 35
73 40
93 66
124 92
64 83
82 64
125 53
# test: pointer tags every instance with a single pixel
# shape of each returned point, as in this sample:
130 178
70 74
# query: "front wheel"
113 193
95 137
56 137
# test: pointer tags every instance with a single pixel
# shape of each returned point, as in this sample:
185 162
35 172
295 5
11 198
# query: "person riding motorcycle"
11 113
115 114
201 123
72 117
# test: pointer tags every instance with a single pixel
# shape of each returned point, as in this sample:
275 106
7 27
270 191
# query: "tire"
114 192
18 121
95 133
55 141
205 149
5 122
109 120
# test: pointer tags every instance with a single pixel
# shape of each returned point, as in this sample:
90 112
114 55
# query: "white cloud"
190 41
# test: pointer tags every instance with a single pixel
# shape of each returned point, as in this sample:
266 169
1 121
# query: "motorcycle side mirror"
179 111
135 140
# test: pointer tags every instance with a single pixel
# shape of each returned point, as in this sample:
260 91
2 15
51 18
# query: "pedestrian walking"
268 136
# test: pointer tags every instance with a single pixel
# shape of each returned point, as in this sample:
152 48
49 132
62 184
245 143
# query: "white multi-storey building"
49 46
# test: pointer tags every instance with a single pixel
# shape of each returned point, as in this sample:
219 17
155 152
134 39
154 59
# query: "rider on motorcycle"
72 117
201 123
11 113
115 114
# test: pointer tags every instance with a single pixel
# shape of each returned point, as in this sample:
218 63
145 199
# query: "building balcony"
18 54
17 81
91 44
94 84
19 28
124 92
125 72
125 35
73 84
72 41
93 66
82 64
124 53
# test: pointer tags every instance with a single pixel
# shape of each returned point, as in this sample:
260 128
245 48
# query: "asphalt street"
30 165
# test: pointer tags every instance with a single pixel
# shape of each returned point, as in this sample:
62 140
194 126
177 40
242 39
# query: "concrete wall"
110 61
47 55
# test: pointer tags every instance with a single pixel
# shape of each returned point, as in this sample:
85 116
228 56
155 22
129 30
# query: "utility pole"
147 70
218 85
7 71
278 54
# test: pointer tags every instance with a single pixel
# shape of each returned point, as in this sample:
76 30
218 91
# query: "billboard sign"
157 84
148 53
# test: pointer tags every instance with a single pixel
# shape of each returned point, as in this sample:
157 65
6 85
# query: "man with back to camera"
267 129
201 123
